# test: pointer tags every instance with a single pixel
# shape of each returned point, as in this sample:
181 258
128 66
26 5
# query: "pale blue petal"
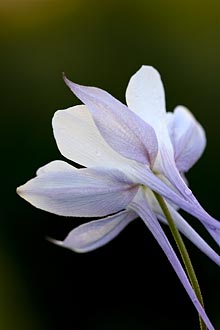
97 233
180 195
182 225
192 205
78 192
187 136
122 129
191 234
141 207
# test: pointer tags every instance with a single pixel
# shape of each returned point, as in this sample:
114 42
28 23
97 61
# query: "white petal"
145 95
78 192
79 140
97 233
187 136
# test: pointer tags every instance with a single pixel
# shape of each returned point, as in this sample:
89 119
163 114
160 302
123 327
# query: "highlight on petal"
187 136
97 233
145 95
55 166
78 192
122 129
141 207
79 140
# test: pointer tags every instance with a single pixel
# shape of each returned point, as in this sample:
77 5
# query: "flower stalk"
183 252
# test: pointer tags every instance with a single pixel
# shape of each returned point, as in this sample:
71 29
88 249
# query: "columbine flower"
130 152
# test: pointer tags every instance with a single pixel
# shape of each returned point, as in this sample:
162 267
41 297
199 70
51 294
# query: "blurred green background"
129 283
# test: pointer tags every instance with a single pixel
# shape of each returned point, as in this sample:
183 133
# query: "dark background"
127 284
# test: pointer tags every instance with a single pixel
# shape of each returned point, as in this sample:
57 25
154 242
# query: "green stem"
184 254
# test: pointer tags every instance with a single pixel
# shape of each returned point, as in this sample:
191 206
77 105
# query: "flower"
129 152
